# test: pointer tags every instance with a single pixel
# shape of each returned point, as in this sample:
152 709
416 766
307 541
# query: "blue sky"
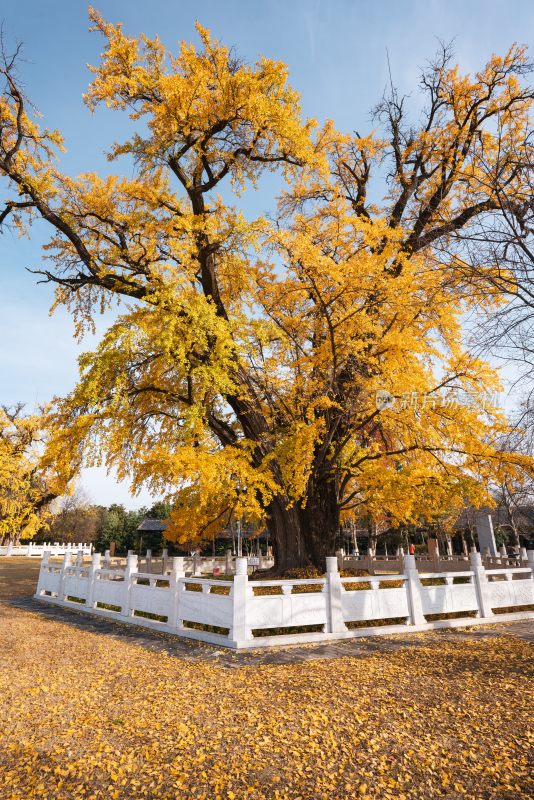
337 56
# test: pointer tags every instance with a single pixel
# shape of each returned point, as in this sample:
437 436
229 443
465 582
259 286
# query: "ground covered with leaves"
88 715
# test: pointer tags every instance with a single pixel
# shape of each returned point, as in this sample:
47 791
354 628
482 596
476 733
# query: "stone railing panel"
289 608
76 585
109 588
451 597
381 601
515 588
49 578
150 594
205 606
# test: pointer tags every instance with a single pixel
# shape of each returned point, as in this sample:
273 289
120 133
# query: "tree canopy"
248 373
27 487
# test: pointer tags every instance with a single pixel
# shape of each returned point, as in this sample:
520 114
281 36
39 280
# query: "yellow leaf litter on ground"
87 716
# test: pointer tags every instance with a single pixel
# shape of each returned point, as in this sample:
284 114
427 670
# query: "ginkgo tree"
243 377
27 486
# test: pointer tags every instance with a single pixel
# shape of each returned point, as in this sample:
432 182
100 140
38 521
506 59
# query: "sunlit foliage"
243 376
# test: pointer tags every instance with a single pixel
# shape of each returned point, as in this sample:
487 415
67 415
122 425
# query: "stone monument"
486 539
433 549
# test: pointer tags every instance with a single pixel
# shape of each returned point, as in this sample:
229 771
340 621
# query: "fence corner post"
334 614
530 559
95 565
413 589
43 567
177 572
131 569
481 586
240 631
67 560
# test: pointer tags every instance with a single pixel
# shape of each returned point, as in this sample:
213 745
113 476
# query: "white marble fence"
198 565
37 550
195 565
424 563
247 613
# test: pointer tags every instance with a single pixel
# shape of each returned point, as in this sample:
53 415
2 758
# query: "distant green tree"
120 526
504 536
159 510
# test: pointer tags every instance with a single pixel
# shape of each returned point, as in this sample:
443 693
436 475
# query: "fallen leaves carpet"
88 716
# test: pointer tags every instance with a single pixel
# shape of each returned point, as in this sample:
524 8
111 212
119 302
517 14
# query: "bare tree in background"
508 332
75 518
515 499
508 335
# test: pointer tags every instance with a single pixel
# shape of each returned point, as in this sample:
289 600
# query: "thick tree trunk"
514 536
285 532
372 539
320 522
304 536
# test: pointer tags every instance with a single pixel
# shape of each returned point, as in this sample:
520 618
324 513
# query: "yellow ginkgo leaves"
126 720
27 486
